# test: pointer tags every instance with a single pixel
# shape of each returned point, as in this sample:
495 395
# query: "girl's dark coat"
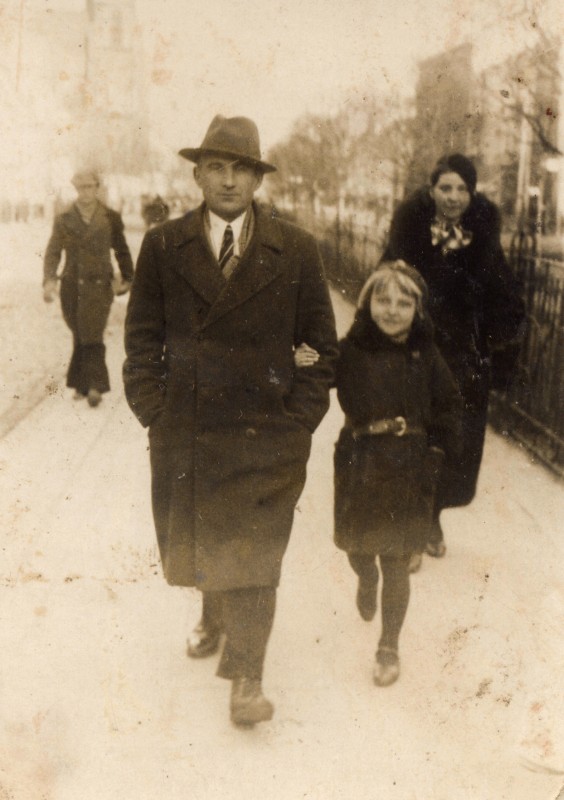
86 280
210 370
476 308
383 489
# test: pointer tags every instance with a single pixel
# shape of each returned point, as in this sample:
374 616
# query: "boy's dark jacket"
382 493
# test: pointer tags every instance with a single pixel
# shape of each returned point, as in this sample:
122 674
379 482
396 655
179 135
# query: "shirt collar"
218 226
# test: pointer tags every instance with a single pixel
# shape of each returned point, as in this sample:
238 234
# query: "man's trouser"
245 616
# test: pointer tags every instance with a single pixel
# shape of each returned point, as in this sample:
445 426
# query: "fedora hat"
235 137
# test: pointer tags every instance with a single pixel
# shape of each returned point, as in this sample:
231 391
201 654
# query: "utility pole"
20 44
523 173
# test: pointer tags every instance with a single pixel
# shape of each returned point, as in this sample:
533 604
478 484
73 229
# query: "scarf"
450 235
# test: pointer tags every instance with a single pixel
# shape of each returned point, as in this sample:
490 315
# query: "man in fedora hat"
220 299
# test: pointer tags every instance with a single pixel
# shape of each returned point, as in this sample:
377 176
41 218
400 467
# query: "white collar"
217 229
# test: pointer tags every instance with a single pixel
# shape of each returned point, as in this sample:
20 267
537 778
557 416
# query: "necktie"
227 246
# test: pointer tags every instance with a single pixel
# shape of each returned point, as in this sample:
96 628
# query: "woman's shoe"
78 395
415 562
386 668
436 546
435 549
366 599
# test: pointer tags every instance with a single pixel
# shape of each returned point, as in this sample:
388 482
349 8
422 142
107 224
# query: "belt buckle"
403 426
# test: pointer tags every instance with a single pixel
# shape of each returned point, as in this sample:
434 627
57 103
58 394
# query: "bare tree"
532 78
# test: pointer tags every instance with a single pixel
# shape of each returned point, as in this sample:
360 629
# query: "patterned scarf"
246 235
450 235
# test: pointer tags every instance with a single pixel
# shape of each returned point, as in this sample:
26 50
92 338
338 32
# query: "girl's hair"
406 278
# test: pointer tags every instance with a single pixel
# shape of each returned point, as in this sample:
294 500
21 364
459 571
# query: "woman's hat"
235 137
458 163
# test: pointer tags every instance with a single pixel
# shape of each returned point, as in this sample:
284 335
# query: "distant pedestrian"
87 232
155 211
402 414
451 234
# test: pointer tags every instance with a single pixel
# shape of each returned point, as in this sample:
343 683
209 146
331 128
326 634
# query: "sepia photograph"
282 434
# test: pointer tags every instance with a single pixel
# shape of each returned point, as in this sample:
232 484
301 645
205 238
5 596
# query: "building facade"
73 95
507 119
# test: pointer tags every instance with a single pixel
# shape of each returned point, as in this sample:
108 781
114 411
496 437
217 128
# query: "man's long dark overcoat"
210 370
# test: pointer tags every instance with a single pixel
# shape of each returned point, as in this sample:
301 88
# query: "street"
99 699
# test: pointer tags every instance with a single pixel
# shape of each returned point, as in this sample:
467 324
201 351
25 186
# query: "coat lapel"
74 222
88 231
259 265
193 259
98 222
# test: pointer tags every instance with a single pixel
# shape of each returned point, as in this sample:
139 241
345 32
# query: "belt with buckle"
397 426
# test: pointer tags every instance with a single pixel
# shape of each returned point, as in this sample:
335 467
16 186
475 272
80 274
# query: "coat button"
251 433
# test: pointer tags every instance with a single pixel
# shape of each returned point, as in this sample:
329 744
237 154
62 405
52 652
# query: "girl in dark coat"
402 413
451 234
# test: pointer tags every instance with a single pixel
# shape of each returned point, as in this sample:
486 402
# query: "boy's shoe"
366 599
94 397
248 704
386 668
415 562
78 395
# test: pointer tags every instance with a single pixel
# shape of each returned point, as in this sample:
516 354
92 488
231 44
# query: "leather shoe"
366 599
94 398
386 668
248 704
435 549
415 563
203 642
436 546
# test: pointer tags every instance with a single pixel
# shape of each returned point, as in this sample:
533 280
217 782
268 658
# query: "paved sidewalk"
98 697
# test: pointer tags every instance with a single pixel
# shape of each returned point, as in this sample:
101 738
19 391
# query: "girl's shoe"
366 599
386 668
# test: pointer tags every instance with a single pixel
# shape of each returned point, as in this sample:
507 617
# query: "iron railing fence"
531 410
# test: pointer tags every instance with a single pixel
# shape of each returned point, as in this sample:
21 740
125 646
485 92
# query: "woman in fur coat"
451 234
